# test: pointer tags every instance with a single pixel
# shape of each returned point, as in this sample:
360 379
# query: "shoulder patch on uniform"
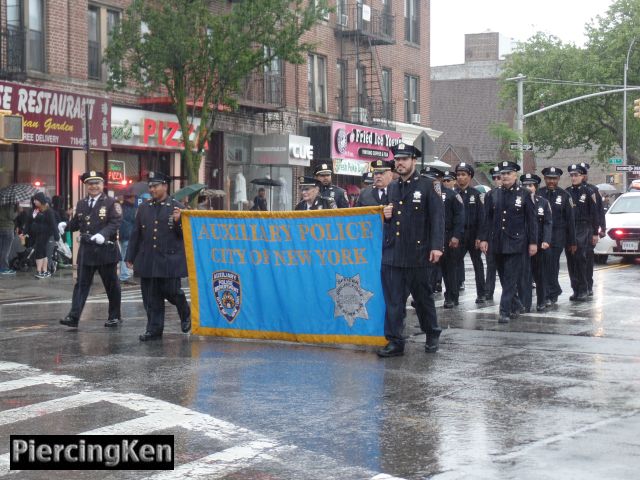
118 208
437 188
459 198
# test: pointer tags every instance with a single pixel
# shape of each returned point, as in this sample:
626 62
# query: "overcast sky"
517 19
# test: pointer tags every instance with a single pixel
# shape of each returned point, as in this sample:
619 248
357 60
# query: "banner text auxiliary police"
307 234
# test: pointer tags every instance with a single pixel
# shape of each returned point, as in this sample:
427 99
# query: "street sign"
521 146
615 161
514 146
628 168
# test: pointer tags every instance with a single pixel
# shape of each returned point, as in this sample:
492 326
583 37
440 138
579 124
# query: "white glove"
61 227
98 238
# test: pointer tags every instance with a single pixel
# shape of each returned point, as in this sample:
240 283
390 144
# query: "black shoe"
438 288
113 322
582 297
514 315
448 304
541 308
489 297
391 350
553 299
590 292
461 287
548 302
69 322
146 336
433 339
186 325
480 300
503 318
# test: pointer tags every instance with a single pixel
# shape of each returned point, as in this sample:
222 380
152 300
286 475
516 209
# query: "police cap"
507 166
585 165
465 167
92 176
381 166
577 168
307 181
402 150
530 179
323 169
155 178
495 172
552 172
448 175
367 178
432 172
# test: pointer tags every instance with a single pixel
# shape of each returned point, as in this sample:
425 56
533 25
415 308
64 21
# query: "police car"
622 237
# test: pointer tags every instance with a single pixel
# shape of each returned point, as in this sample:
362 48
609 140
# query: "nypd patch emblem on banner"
228 294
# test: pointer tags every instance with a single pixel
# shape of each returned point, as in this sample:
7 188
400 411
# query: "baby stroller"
60 257
23 260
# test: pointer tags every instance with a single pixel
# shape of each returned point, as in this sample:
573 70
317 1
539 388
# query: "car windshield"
630 204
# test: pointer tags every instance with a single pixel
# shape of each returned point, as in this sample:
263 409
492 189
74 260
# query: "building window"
412 21
317 82
35 38
342 17
93 28
386 93
341 88
272 79
411 97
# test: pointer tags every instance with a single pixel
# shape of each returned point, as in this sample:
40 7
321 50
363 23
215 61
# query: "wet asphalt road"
555 395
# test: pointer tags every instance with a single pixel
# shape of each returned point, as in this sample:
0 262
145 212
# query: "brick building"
369 75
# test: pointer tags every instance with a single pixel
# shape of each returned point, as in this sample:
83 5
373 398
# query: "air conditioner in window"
359 115
344 20
415 118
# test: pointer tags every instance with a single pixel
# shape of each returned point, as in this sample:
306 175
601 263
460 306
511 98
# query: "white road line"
12 366
45 378
44 408
224 462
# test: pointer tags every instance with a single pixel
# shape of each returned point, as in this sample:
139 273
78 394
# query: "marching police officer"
323 172
97 218
156 251
512 229
587 224
563 229
453 232
311 199
413 237
490 282
536 264
474 215
602 227
377 193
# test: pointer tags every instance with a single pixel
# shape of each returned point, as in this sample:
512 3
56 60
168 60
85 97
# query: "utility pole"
520 114
624 116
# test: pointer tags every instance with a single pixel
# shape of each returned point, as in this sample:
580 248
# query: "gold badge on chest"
102 213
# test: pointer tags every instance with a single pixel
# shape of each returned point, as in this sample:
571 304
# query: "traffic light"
10 127
636 108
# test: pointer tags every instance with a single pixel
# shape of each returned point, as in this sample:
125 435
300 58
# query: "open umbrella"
267 182
213 193
482 188
137 188
607 188
17 192
188 191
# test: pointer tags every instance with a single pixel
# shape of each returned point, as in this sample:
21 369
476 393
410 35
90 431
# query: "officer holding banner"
156 251
413 238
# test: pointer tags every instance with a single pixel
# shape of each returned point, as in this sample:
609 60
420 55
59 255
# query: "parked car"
622 237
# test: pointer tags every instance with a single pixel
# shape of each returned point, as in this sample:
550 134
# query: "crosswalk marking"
246 448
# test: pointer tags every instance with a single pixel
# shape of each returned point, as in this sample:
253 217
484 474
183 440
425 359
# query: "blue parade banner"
306 276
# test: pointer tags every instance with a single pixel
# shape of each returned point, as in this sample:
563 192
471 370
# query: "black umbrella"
267 182
17 192
137 188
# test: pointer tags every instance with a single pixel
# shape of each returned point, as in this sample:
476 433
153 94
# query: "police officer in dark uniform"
97 218
311 199
534 267
376 194
474 215
156 252
511 228
367 179
587 224
490 282
602 227
323 172
413 237
563 230
454 218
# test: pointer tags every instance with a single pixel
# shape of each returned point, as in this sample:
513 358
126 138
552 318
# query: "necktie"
383 196
92 202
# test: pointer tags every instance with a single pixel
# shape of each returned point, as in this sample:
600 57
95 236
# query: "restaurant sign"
357 142
56 118
354 168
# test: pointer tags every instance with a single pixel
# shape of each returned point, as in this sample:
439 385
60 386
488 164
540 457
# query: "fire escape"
364 97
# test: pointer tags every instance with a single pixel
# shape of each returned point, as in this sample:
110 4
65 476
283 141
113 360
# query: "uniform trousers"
577 263
478 266
81 289
591 258
509 266
533 271
490 283
154 292
552 272
449 265
397 282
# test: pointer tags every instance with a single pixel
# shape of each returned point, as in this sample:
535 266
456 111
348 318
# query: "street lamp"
624 115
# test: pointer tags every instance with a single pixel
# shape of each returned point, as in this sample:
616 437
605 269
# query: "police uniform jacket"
586 213
545 219
473 211
564 223
599 206
370 197
104 218
337 194
318 204
454 216
156 246
417 224
511 224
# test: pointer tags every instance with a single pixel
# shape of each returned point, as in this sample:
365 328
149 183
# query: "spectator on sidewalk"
41 228
7 215
126 227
